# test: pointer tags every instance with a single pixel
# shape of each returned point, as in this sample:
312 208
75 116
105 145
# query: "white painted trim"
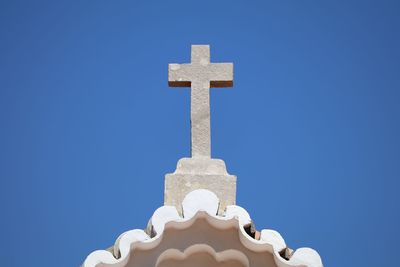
200 201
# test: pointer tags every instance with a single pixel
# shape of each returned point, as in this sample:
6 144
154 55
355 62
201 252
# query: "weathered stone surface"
200 173
200 75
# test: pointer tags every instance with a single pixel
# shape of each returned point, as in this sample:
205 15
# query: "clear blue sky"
89 127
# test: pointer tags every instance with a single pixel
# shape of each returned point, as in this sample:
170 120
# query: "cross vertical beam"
200 75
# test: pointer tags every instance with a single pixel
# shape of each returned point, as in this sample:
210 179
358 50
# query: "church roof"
201 236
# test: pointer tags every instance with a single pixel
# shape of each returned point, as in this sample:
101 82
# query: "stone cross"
200 75
200 171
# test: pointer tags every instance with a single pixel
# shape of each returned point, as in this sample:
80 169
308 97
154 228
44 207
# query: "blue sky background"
89 127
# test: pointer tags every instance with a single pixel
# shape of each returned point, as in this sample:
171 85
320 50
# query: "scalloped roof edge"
199 203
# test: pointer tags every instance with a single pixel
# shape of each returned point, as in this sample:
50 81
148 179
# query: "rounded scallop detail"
200 205
200 199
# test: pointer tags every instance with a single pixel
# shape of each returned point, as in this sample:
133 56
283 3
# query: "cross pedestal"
200 171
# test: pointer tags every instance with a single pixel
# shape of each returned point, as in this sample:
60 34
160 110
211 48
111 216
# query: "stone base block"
200 173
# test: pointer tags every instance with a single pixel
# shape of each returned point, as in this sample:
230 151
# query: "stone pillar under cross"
200 171
200 75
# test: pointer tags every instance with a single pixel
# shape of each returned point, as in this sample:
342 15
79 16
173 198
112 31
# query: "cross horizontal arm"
179 75
217 74
221 74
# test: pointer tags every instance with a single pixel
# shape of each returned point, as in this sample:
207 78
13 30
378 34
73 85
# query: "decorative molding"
200 211
202 255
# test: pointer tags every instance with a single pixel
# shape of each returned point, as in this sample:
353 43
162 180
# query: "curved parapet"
201 237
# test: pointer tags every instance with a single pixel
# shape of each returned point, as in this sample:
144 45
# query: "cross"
200 75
